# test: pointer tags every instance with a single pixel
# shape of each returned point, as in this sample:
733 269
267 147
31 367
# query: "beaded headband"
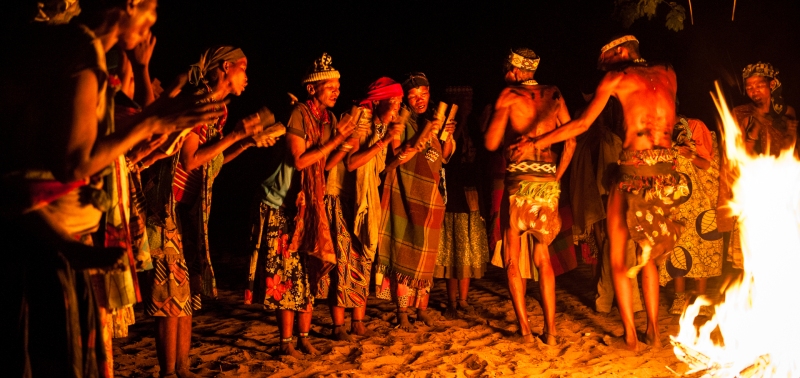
522 62
322 70
617 42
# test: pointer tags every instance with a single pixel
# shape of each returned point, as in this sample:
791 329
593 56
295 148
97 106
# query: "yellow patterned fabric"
698 252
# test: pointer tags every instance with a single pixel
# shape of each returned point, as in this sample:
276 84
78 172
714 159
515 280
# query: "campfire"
754 331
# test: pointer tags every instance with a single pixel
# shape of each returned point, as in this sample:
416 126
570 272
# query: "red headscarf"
382 89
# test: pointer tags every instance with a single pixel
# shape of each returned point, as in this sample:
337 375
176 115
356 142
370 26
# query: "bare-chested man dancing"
524 111
640 201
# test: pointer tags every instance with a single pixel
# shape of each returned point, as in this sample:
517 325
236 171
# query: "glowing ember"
756 327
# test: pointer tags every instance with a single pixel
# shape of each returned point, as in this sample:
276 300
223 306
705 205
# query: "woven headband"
617 42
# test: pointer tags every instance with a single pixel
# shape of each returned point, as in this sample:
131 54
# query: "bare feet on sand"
451 312
632 344
425 317
549 339
358 328
287 349
464 306
653 338
305 346
402 321
529 338
339 333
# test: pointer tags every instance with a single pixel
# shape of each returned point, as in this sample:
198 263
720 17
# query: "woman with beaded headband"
179 198
62 138
315 140
412 208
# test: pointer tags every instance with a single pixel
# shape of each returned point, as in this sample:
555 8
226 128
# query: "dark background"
455 43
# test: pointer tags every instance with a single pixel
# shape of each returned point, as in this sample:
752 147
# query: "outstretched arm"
579 125
569 145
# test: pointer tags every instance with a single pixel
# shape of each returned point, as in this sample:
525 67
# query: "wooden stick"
450 118
402 117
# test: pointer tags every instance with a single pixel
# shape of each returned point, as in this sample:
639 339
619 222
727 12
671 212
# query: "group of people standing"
107 174
363 195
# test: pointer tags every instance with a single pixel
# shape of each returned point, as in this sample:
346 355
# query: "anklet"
304 334
289 340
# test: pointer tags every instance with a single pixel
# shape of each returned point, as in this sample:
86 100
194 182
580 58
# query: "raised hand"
170 114
141 54
249 126
345 128
396 129
450 128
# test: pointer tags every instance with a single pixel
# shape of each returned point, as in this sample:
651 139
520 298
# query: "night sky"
455 43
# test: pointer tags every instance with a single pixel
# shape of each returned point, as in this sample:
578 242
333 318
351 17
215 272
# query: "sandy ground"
232 339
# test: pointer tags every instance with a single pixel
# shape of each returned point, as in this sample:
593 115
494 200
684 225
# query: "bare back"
534 111
647 95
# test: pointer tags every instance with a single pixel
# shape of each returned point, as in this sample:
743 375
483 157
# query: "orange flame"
757 324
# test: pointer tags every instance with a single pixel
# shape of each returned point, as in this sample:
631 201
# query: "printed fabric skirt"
651 188
278 278
463 247
350 278
170 292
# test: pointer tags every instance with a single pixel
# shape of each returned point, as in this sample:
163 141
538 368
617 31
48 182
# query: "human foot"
402 321
678 304
653 338
423 316
464 306
549 338
339 333
358 328
529 338
304 344
623 343
451 312
287 349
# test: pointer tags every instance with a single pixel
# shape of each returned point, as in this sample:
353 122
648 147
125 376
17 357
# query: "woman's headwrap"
415 80
766 70
382 89
321 70
212 59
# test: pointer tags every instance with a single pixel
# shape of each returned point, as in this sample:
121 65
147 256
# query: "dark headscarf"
766 70
212 59
415 80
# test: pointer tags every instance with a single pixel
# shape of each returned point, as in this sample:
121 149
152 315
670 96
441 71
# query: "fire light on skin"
758 319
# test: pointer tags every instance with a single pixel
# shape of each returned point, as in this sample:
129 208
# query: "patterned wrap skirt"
651 189
278 278
170 291
348 282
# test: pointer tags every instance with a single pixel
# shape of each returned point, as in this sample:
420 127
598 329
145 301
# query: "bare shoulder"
790 113
551 91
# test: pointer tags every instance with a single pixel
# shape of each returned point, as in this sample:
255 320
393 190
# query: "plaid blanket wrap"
411 222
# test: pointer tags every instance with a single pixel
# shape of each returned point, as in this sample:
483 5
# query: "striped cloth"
413 212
